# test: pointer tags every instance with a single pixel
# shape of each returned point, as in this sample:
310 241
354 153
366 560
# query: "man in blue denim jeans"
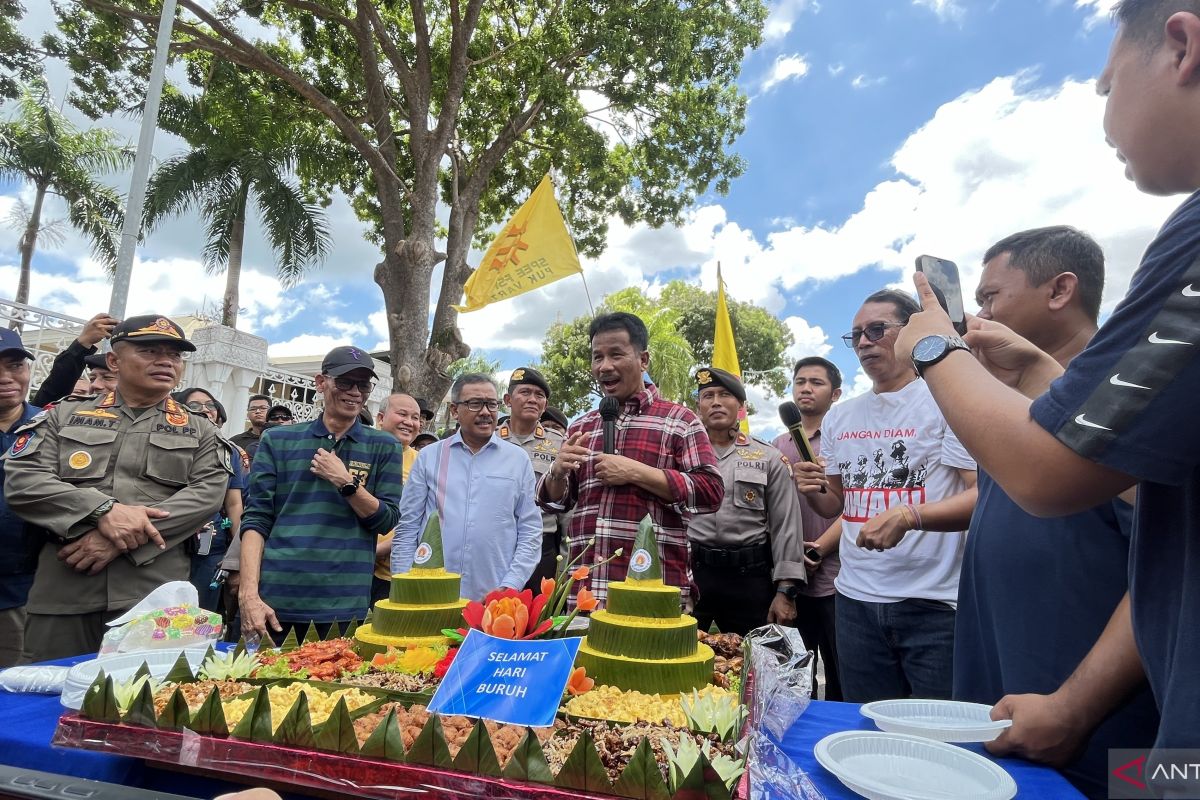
895 471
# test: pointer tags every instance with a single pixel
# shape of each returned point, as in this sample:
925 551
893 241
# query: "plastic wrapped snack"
168 617
34 680
780 666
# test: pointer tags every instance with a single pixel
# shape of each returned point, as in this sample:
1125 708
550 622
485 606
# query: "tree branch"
390 51
318 10
378 106
241 51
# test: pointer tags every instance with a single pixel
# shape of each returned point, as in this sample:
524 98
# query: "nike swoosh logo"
1115 380
1154 339
1188 291
1081 421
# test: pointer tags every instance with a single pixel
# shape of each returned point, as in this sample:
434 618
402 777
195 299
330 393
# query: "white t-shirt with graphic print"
895 449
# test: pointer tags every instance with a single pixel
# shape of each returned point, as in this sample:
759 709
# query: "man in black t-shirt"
1123 412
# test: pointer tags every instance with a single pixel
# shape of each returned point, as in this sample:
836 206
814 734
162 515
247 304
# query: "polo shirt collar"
317 428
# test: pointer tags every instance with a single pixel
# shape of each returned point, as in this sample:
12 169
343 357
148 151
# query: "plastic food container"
944 720
122 667
895 766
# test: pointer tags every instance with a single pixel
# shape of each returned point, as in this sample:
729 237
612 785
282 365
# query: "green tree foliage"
40 147
762 339
681 323
632 103
243 151
19 60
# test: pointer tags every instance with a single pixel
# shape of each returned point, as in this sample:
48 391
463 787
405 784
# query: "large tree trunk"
29 242
419 356
233 271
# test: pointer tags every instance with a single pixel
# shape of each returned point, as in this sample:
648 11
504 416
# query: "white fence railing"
44 333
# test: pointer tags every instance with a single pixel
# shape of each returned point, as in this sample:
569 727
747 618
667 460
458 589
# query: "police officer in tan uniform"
121 481
526 398
747 557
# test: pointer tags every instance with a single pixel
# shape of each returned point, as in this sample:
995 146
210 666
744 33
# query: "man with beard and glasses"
320 496
481 487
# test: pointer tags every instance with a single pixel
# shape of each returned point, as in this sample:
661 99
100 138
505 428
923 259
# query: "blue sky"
877 130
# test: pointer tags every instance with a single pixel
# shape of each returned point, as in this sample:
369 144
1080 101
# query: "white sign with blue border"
518 682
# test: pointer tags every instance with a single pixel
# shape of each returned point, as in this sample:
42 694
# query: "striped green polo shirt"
318 559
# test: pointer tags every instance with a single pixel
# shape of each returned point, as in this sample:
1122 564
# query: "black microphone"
610 408
789 413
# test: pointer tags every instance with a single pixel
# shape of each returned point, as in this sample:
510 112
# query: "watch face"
928 348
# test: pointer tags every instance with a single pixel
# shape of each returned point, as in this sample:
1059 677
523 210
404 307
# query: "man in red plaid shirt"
665 468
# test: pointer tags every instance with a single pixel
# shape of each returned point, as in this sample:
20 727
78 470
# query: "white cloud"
306 344
1098 10
782 16
864 82
785 68
810 340
835 69
860 385
945 9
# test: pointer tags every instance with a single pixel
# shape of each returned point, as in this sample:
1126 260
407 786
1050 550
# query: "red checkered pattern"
664 435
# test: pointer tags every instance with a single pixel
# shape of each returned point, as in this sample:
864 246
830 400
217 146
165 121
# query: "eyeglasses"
874 332
196 405
346 384
478 405
279 418
257 409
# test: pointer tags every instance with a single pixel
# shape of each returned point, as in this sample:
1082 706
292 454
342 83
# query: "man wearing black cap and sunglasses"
121 481
320 493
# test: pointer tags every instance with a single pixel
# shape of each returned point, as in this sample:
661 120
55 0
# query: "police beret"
151 328
711 376
96 361
528 375
552 414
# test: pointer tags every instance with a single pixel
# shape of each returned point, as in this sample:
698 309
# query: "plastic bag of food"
780 667
170 616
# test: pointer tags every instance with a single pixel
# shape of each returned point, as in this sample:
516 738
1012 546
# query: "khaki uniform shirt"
86 451
759 506
542 446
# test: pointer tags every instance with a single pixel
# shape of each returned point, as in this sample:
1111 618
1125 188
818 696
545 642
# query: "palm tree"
240 152
40 146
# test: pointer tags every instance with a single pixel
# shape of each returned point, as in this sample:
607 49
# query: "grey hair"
465 379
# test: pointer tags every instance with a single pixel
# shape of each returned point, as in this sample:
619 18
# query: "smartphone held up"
943 279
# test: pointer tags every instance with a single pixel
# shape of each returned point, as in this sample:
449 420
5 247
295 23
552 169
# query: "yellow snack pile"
320 703
609 702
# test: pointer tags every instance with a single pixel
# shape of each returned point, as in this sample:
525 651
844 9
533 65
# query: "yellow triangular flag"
532 250
724 349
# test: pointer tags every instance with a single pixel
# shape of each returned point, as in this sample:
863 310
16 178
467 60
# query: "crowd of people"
1008 516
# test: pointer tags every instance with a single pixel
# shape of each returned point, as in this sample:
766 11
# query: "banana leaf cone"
175 715
100 701
528 762
385 742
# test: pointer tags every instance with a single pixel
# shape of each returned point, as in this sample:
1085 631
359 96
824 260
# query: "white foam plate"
122 667
895 766
944 720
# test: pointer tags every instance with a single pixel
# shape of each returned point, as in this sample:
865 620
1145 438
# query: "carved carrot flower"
579 682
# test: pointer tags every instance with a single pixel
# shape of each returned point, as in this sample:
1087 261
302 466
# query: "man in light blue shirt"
483 488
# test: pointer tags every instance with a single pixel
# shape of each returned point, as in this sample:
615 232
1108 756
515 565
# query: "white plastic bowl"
122 667
895 766
944 720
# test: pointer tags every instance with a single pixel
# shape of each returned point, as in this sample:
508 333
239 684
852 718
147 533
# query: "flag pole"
575 250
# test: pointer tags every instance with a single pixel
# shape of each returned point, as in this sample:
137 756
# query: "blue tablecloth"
27 723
